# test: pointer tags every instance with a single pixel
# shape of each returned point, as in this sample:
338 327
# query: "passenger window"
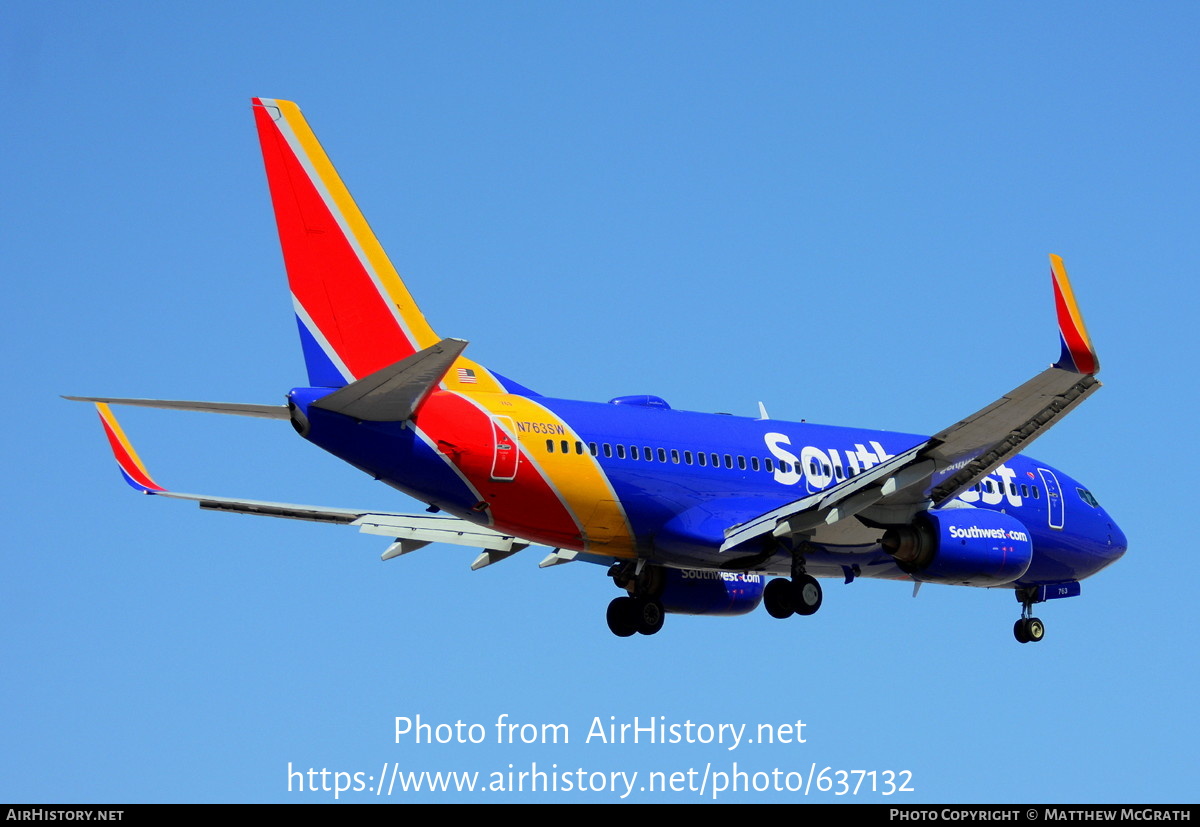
592 448
728 461
714 460
703 457
620 452
837 471
1024 490
754 463
741 462
1037 493
633 452
662 454
675 456
550 445
770 464
578 447
607 450
566 447
687 457
648 454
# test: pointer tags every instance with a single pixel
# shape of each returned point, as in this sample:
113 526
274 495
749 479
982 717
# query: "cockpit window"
1087 497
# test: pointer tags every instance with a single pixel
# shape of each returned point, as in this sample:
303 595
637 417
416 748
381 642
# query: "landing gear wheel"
806 595
777 598
1035 629
622 617
1019 631
649 615
1029 630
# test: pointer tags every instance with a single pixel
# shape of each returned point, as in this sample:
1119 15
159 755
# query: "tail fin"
354 313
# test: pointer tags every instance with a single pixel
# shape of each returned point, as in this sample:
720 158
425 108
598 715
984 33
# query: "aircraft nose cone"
1116 540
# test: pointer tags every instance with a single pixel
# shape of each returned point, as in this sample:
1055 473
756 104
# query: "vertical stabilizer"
354 313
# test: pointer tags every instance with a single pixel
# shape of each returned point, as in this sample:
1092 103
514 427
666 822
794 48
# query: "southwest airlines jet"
690 513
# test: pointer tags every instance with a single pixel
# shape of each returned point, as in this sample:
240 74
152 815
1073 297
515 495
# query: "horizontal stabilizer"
394 393
234 408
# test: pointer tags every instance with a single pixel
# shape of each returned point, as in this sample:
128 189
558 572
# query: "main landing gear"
801 595
641 612
1028 629
629 616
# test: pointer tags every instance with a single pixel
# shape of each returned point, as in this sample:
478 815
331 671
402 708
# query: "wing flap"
824 507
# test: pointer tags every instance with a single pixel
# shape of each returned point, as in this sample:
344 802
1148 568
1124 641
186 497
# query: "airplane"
690 513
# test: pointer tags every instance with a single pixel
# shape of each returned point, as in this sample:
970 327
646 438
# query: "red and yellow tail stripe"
348 297
579 488
357 316
130 463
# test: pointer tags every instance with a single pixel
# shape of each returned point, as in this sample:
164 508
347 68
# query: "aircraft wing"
410 531
950 462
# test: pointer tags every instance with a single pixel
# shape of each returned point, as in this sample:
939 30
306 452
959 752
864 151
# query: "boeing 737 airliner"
689 512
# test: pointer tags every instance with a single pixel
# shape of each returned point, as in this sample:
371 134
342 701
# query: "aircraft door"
505 453
1054 499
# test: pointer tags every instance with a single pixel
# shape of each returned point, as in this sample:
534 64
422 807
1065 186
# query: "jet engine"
699 591
962 546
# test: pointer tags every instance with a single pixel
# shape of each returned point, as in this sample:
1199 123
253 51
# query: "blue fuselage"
683 478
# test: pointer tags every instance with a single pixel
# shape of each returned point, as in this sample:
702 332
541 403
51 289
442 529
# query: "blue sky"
842 210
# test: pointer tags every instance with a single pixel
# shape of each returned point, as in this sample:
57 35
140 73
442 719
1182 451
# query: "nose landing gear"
1028 629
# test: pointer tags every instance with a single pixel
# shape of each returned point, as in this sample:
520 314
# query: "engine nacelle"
702 591
962 546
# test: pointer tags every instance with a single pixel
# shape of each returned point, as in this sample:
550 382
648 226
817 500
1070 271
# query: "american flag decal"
466 376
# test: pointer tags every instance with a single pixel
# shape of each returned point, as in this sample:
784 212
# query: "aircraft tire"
622 617
777 598
1035 629
650 616
1019 631
806 595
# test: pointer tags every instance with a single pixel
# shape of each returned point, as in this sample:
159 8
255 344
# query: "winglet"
132 469
1078 355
